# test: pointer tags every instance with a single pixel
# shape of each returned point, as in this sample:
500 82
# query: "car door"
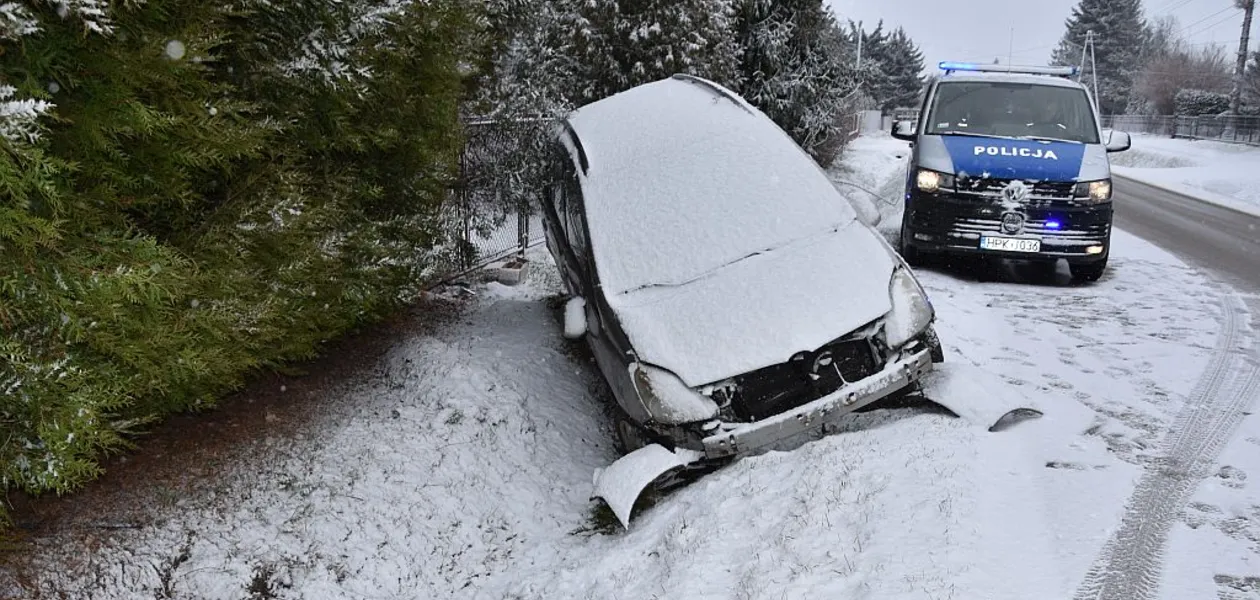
608 343
555 218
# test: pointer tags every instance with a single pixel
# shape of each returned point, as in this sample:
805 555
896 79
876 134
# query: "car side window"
556 196
574 218
555 192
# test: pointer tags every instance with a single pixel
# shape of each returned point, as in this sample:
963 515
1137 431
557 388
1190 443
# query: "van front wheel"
1088 272
912 255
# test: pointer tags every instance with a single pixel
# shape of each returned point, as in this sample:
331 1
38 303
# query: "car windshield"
1010 109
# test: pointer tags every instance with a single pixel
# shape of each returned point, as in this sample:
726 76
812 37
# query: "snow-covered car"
729 293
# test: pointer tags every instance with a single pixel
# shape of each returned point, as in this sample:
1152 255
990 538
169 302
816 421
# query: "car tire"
630 435
1088 272
934 344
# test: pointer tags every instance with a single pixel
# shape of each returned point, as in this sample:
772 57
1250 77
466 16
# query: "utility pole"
1235 98
1010 50
860 34
1087 49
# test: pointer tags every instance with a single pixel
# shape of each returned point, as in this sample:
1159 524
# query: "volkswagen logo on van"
1015 191
1012 223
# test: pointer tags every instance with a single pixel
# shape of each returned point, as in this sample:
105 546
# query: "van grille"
1040 193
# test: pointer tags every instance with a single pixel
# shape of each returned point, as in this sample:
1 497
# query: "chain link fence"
492 211
1239 129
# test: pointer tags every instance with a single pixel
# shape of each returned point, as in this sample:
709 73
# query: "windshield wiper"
1043 138
971 134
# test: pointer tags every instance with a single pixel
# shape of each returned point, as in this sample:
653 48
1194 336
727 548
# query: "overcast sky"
980 30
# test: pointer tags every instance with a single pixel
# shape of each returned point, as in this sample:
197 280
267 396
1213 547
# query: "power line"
1211 16
1168 7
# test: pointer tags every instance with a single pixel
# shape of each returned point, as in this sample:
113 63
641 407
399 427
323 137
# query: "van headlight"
911 312
667 399
932 181
1095 192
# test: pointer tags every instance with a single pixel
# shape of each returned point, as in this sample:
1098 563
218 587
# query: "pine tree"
618 44
1119 39
902 67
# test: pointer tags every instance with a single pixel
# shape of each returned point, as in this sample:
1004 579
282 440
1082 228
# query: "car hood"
761 310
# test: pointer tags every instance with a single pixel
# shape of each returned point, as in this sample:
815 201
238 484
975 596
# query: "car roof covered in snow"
684 177
1011 78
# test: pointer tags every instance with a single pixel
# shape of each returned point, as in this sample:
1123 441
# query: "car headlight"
667 399
1094 191
932 181
911 312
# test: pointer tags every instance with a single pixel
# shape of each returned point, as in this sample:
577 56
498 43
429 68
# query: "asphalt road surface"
1221 240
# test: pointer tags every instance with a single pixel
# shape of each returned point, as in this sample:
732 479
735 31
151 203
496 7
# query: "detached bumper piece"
741 438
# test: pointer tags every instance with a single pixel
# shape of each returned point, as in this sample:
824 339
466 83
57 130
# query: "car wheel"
934 344
1088 272
630 436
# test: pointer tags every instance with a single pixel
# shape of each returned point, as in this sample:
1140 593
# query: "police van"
1011 162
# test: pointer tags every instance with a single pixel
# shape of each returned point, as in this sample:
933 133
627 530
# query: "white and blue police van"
1012 162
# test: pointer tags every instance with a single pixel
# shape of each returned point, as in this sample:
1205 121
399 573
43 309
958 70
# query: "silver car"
731 296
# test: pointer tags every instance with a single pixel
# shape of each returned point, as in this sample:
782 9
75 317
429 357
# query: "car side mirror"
1119 141
575 318
903 130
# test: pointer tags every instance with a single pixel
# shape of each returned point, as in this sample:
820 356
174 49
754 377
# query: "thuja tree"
192 190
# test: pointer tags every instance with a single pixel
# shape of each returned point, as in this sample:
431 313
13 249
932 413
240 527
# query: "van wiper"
971 134
1042 138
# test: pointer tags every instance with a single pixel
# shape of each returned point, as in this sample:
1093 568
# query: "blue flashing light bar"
1053 225
949 65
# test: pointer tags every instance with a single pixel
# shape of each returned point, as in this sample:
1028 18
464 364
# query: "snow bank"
870 172
1216 172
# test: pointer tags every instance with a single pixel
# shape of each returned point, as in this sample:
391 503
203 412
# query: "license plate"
1002 244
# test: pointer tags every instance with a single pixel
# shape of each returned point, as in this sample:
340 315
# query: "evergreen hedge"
1195 103
212 188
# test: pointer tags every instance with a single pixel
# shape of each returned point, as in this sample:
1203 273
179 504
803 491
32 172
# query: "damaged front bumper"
621 483
733 439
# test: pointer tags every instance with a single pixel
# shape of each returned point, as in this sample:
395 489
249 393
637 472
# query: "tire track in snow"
1131 562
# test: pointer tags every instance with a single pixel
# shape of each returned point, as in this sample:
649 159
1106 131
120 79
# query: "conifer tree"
902 67
794 69
618 44
1119 39
196 189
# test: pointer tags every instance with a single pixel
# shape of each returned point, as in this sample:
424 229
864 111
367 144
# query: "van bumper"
939 223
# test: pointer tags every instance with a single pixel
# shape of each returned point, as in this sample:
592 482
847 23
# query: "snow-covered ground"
1216 172
461 467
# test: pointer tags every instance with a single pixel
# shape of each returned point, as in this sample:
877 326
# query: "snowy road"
1217 238
459 466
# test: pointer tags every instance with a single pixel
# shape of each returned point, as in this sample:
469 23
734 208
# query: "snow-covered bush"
1194 103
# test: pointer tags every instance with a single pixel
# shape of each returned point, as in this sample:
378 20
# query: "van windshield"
1008 109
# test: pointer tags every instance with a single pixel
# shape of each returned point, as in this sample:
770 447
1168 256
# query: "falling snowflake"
175 49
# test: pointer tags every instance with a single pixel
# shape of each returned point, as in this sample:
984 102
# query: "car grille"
1040 193
807 377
